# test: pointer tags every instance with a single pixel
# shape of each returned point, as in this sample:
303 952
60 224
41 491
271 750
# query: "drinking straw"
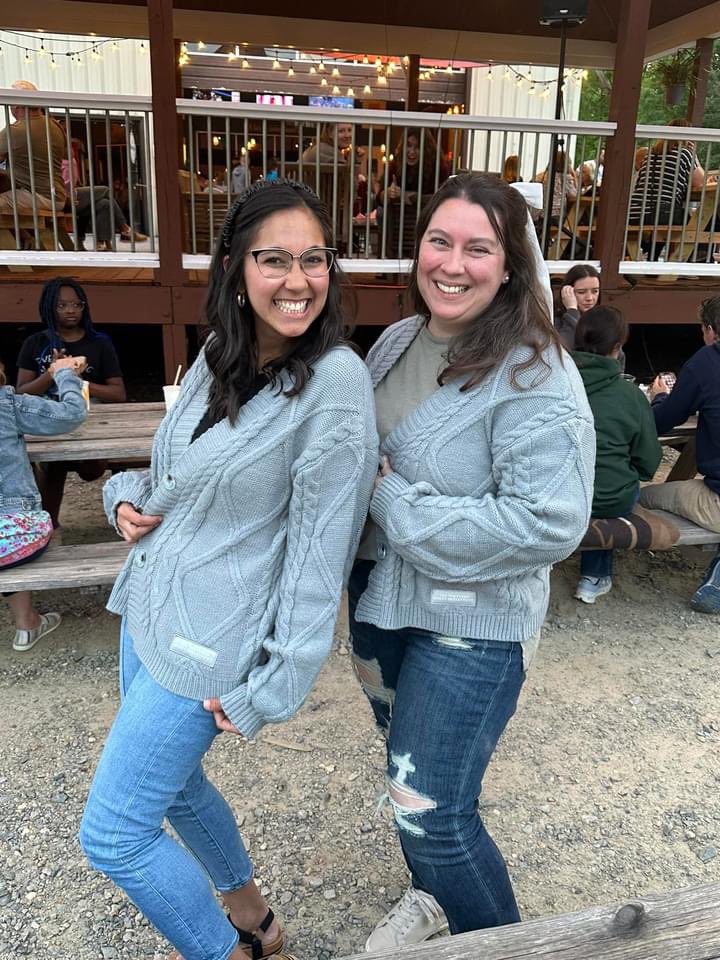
177 375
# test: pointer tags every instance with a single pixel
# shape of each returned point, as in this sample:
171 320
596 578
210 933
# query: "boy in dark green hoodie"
628 449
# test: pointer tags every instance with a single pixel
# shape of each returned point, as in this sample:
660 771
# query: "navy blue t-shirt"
697 391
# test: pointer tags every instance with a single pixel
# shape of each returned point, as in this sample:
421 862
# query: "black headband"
257 187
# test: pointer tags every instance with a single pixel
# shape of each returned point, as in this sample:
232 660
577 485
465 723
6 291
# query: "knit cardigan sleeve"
131 486
542 464
331 490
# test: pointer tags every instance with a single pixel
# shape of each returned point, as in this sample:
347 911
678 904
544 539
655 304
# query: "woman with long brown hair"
486 481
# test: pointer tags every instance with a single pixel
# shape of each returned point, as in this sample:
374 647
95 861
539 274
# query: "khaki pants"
691 499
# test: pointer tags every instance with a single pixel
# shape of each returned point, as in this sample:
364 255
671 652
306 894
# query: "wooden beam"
624 100
413 82
680 925
699 86
175 351
163 77
110 303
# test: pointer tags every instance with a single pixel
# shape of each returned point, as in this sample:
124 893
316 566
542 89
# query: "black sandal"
258 949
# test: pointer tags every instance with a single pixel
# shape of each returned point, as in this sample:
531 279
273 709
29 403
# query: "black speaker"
555 12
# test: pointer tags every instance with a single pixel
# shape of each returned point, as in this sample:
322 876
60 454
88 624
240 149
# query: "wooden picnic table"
683 436
112 431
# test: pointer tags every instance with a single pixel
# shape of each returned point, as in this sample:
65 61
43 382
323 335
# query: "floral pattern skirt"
22 534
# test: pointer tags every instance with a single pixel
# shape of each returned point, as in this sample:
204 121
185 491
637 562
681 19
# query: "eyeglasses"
63 305
274 262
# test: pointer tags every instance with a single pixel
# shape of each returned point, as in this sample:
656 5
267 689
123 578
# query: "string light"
321 67
276 63
366 59
335 72
367 88
42 52
336 89
350 92
291 72
200 45
245 65
312 70
382 80
53 65
323 82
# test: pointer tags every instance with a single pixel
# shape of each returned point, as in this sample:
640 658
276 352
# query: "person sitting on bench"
25 528
628 449
69 331
697 391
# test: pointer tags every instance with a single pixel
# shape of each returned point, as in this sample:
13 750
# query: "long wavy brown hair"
519 314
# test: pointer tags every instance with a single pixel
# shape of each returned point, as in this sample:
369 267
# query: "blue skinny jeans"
442 703
150 769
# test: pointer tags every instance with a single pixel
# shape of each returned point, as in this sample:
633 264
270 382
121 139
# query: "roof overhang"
420 26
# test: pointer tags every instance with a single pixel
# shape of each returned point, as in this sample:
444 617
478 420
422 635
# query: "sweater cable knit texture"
490 487
235 593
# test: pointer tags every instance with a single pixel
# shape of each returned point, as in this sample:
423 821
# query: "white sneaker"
590 588
417 916
26 639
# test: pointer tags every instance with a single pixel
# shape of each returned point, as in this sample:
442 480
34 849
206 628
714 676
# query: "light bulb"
367 88
336 89
291 72
335 72
200 45
382 80
321 67
313 70
350 92
245 64
323 82
276 64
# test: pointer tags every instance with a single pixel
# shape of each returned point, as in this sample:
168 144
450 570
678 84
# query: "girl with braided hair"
242 529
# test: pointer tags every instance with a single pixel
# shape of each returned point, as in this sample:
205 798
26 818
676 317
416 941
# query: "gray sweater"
491 487
235 594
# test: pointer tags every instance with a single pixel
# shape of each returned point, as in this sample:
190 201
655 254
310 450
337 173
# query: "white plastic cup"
86 393
171 392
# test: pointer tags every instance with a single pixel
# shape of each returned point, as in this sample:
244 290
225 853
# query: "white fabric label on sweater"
467 597
193 650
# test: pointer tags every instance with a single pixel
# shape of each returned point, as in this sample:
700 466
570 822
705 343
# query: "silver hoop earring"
241 299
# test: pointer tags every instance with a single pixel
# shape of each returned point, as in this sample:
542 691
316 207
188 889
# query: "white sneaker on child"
26 639
590 588
416 916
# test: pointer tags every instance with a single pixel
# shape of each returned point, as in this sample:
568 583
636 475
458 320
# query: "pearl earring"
506 278
241 299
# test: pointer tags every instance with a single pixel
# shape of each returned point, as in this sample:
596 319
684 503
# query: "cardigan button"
381 551
168 481
140 559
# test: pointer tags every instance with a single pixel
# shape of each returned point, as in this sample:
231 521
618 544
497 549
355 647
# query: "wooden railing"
679 925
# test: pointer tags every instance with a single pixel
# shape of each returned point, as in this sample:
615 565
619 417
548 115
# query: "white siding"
125 71
501 97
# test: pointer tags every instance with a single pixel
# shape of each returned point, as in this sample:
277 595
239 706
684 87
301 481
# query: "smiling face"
344 135
461 266
412 150
587 293
285 307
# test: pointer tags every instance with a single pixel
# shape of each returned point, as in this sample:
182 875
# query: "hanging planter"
674 94
676 75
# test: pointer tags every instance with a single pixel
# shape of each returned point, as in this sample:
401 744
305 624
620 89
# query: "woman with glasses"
486 481
243 529
69 332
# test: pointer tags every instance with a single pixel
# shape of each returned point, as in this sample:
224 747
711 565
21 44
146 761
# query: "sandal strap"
249 938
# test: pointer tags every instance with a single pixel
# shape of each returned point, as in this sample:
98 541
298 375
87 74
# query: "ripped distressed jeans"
443 703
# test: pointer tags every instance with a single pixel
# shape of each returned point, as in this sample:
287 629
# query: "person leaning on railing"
697 391
406 162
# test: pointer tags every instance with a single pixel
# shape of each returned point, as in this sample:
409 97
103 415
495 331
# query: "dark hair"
600 330
580 272
48 301
428 160
709 314
518 314
231 354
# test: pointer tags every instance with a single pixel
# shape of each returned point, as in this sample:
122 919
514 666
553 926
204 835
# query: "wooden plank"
84 565
679 925
112 431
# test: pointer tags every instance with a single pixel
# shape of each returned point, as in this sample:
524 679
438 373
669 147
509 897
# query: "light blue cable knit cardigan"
491 487
235 593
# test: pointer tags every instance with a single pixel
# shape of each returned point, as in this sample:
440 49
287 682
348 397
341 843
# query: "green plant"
676 69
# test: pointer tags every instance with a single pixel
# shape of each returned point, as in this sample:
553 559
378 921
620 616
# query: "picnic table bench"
79 565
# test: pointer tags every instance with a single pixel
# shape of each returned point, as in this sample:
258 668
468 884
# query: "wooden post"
617 176
413 82
701 73
679 925
163 78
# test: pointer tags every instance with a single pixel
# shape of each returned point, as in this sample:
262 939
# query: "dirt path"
606 784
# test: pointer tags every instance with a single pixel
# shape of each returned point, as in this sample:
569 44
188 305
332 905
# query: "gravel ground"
605 785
